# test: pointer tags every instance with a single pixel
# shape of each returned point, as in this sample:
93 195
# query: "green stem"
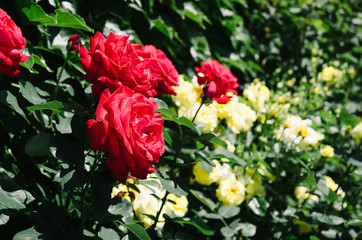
202 103
159 211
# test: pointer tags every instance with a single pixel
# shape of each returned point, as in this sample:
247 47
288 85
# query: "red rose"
74 44
119 60
128 127
166 69
217 81
11 41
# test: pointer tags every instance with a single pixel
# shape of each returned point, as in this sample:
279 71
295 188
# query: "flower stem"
160 210
203 100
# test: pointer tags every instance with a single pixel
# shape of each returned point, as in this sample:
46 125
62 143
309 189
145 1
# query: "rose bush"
128 127
11 41
217 81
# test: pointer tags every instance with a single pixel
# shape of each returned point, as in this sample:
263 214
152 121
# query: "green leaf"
174 186
258 205
228 211
71 20
14 200
248 229
123 208
139 231
162 27
187 123
30 93
28 234
213 139
160 103
354 222
64 125
348 118
223 153
52 105
107 233
227 232
7 98
3 219
62 19
38 145
36 14
167 114
313 238
199 224
167 137
204 199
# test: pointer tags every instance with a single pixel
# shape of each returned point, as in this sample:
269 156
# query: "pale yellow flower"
178 205
205 178
231 192
301 192
327 151
330 74
356 133
257 94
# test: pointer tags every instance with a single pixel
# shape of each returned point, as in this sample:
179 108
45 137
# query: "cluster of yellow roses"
234 184
145 202
237 115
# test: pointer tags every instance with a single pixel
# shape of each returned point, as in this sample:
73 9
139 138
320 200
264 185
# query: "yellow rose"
301 192
205 178
177 204
231 192
356 133
327 151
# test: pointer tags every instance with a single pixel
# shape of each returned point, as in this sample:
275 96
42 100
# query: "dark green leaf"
38 145
139 231
213 139
7 98
199 224
204 199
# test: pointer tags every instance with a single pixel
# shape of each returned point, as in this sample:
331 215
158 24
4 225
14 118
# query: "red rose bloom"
74 44
11 41
217 81
166 69
120 61
128 127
